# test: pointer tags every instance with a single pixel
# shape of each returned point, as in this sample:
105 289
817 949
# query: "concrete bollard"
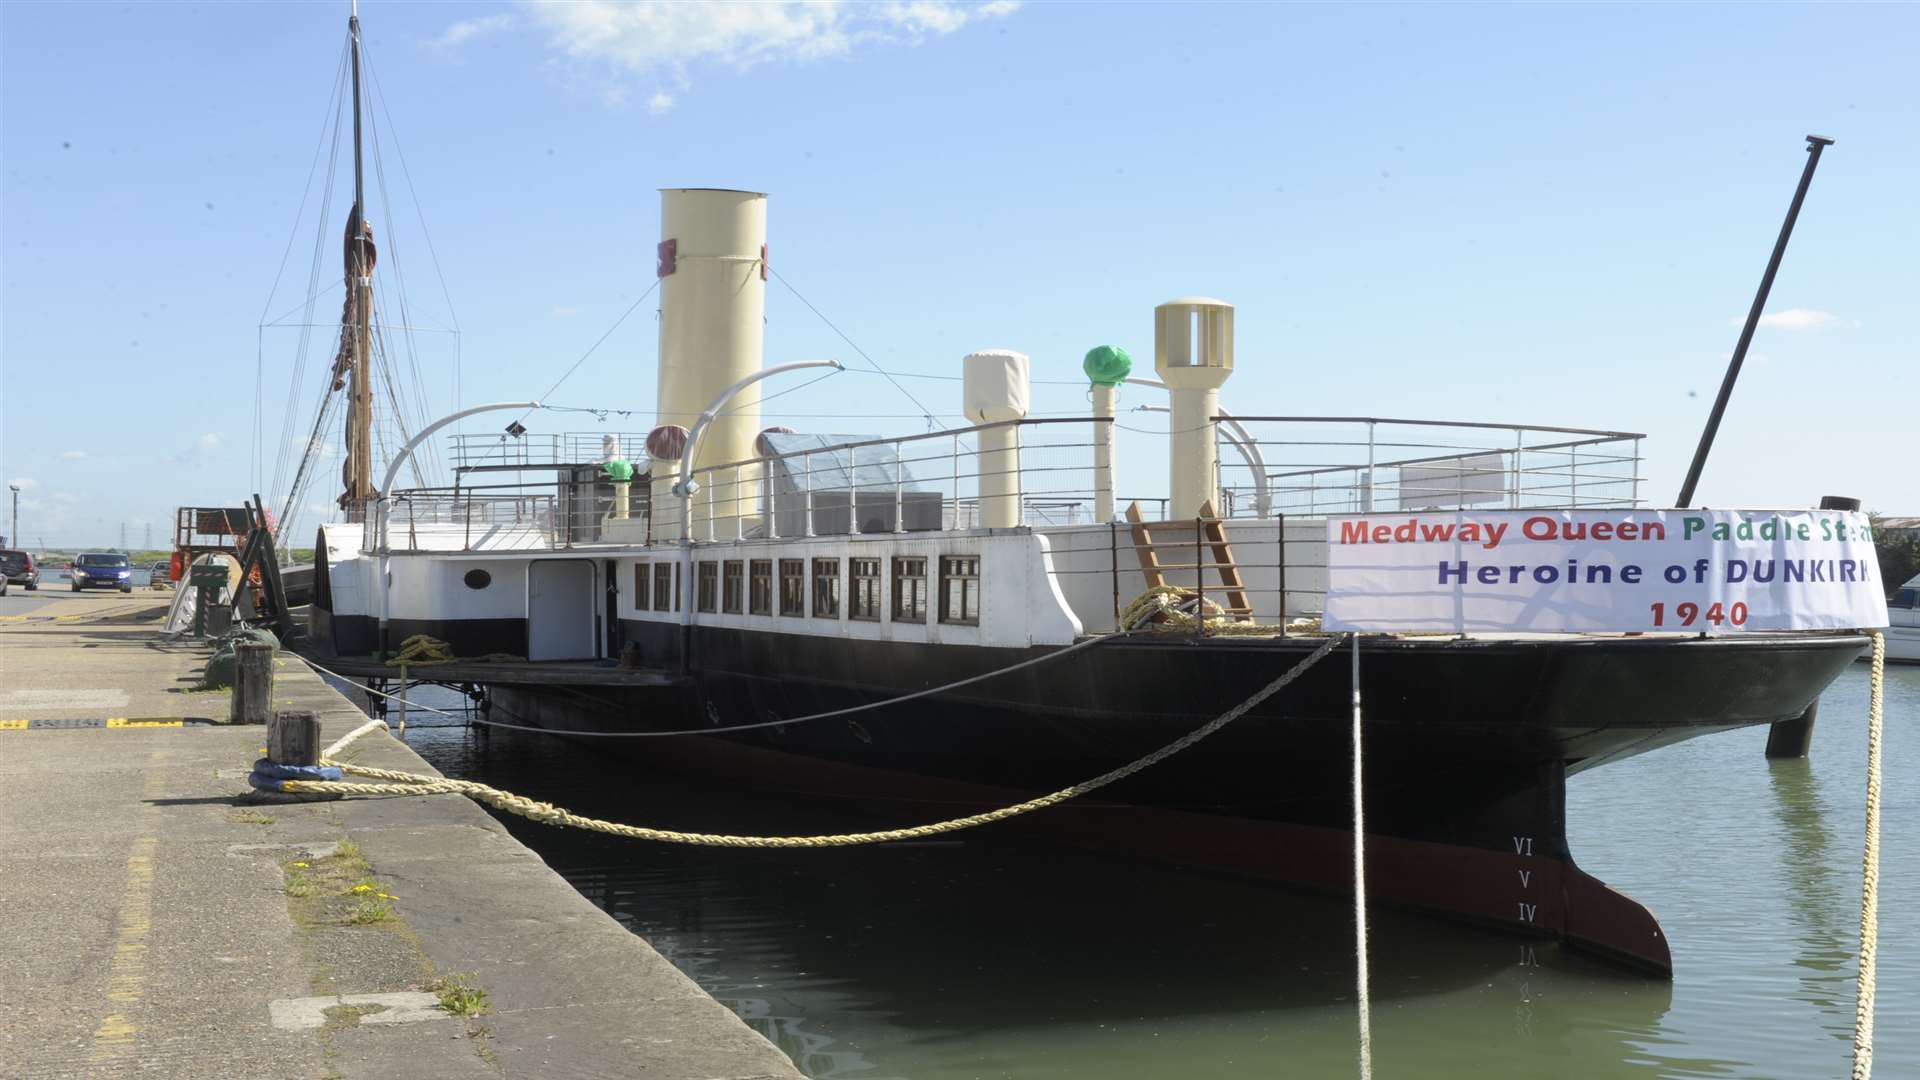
252 684
293 738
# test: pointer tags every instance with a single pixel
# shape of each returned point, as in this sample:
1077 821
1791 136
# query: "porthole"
478 579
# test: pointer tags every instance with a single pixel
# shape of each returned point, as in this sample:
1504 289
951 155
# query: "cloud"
72 455
1792 319
467 29
202 449
663 41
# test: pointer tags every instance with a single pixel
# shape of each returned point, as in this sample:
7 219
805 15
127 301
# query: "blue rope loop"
268 770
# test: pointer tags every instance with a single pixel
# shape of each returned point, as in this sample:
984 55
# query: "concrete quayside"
164 922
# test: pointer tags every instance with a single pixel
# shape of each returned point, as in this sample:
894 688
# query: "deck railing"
549 490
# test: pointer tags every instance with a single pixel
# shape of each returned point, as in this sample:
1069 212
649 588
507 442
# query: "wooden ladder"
1202 535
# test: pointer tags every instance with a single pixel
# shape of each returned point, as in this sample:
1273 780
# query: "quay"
162 922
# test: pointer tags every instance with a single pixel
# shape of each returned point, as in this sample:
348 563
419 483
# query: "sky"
1551 215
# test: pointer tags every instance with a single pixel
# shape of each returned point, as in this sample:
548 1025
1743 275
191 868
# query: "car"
160 574
102 570
17 567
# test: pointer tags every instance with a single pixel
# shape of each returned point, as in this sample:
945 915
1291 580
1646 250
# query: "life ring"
176 566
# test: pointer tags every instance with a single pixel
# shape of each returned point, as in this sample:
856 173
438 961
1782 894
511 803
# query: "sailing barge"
740 575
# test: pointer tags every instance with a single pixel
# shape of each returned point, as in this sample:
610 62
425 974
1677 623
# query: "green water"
983 959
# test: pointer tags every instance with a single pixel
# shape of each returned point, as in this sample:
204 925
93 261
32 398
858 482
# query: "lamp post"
15 488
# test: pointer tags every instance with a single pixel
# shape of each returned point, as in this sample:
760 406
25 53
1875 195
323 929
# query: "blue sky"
1550 215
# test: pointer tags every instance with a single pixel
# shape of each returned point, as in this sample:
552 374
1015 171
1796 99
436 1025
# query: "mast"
359 435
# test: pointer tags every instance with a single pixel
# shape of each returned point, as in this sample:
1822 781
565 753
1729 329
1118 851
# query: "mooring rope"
1360 880
902 699
1870 871
405 783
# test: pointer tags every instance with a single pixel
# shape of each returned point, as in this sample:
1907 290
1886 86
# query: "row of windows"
726 585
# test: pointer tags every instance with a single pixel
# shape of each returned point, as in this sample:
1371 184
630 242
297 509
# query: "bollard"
1793 738
293 738
252 683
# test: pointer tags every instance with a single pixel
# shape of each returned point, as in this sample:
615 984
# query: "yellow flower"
300 865
388 896
363 888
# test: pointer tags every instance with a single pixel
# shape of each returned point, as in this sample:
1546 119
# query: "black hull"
1467 748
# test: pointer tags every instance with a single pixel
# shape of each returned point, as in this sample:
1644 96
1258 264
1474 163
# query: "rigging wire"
331 143
395 399
419 397
303 473
590 350
419 212
925 412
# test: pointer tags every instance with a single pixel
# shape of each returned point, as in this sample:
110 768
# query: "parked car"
17 568
160 574
102 570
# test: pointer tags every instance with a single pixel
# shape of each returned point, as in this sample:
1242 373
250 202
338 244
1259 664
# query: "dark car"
101 570
17 567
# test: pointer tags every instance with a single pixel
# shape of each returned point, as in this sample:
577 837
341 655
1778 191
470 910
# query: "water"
982 959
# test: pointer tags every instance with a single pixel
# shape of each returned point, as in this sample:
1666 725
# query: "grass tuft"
459 996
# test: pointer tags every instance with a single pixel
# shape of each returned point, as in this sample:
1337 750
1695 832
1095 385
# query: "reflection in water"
1823 904
975 957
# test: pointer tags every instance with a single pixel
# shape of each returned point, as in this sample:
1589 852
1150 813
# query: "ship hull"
1467 746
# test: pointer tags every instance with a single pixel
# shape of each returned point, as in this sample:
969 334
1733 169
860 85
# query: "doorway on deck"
563 610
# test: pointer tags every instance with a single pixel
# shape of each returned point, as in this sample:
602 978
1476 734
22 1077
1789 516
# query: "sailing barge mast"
357 478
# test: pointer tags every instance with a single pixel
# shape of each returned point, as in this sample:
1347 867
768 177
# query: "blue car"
101 570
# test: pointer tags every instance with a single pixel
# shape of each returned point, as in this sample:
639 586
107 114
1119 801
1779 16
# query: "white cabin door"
562 610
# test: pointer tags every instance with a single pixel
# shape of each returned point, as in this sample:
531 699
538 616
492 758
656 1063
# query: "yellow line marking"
123 722
127 980
14 725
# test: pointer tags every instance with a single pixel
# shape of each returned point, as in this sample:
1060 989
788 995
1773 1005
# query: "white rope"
342 742
1360 881
1870 872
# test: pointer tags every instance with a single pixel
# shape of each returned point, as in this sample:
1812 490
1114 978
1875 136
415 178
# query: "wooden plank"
1223 555
1143 547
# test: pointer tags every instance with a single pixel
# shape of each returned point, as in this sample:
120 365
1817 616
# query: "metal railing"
1269 467
918 483
1309 465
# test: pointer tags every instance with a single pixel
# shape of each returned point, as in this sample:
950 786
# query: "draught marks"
1523 847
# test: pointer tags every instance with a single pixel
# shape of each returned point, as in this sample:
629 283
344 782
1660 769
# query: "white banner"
1557 571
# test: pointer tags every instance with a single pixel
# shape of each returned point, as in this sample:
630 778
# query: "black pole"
1815 143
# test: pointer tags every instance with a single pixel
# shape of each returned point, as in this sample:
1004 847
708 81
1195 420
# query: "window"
793 586
760 587
477 579
960 589
863 602
642 591
664 581
732 585
826 588
708 593
909 589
